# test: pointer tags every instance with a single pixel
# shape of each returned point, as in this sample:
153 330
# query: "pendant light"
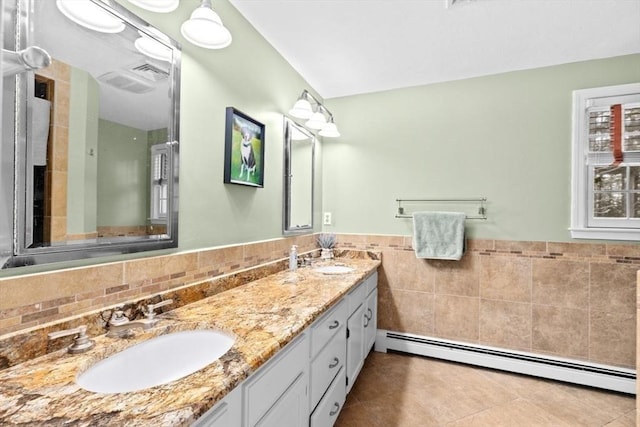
152 48
330 130
302 108
204 28
316 121
159 6
90 15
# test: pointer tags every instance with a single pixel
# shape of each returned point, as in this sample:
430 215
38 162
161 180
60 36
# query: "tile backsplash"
35 299
574 300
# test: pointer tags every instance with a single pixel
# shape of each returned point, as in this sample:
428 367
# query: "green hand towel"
438 235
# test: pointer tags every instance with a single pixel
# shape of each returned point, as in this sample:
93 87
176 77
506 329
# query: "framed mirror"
299 148
94 136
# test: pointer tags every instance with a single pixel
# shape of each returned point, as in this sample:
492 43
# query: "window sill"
605 233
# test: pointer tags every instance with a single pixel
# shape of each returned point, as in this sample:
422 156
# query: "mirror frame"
287 227
69 250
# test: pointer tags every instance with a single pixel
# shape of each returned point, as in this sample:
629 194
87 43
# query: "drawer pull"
366 322
336 405
335 362
370 314
334 325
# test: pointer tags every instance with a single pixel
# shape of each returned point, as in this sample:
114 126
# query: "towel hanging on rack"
438 235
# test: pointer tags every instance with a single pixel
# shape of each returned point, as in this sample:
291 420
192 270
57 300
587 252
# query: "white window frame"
159 185
581 181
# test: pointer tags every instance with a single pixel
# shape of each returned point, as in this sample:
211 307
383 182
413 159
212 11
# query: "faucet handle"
81 342
150 313
118 317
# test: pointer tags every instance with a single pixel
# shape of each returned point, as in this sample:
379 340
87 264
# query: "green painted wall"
82 153
123 175
506 137
251 76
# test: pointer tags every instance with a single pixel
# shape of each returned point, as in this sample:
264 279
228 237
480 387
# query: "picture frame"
243 149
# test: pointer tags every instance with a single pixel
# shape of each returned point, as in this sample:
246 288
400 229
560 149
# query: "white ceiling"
347 47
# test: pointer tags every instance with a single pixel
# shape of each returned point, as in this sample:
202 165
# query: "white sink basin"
157 361
334 269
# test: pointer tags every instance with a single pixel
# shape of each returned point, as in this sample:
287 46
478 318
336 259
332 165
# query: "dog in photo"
247 156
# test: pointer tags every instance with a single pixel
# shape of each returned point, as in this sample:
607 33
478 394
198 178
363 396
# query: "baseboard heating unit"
568 370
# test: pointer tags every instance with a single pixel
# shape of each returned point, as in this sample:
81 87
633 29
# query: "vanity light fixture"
317 119
204 28
152 48
159 6
330 130
90 15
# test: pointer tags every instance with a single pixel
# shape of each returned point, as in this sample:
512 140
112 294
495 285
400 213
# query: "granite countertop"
264 315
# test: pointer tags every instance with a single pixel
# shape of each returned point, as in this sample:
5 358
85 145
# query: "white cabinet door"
286 371
291 409
226 413
355 345
370 320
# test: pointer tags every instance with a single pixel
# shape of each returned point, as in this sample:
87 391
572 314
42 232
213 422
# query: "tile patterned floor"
398 390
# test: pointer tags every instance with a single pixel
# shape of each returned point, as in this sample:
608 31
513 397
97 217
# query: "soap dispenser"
293 258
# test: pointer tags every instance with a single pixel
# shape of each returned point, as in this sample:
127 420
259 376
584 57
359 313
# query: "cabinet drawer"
326 327
327 364
266 386
356 297
331 404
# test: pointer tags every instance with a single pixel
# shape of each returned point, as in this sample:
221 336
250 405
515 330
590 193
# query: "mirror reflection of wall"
299 174
89 125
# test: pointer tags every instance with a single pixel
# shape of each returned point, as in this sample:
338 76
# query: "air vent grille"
150 72
126 82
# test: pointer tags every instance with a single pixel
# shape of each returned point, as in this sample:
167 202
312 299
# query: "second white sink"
334 269
157 361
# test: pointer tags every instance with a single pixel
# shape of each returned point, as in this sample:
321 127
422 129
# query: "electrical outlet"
326 220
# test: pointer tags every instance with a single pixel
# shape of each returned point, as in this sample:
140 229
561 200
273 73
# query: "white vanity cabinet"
225 413
328 360
371 313
276 395
303 384
361 326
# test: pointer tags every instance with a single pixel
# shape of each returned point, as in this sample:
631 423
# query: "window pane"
635 205
634 178
610 179
632 129
632 119
609 205
599 139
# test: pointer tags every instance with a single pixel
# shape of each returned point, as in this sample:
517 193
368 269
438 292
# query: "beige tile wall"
35 299
59 74
571 300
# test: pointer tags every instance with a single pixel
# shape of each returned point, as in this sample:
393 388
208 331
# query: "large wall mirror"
89 163
299 146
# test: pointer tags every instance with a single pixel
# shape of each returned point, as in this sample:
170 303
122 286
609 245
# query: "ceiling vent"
138 79
126 81
150 72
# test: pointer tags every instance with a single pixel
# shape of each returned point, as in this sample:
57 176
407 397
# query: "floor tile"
400 390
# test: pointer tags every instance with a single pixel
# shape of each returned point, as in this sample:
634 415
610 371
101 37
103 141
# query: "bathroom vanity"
300 340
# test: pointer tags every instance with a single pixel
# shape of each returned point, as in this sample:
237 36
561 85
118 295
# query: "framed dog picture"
243 150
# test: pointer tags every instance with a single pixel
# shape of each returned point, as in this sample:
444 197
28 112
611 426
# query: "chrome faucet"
81 342
150 312
120 325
